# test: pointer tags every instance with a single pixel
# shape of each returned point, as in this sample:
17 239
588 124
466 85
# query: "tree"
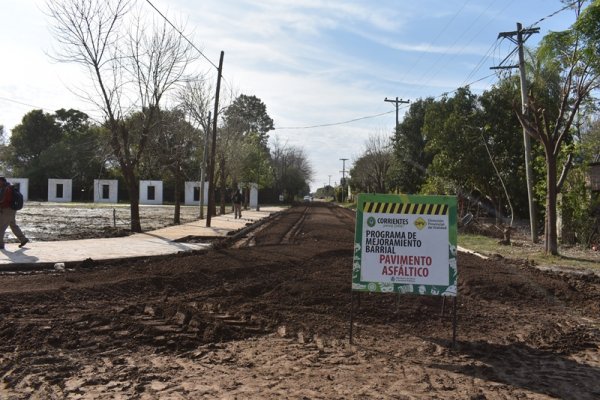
243 137
453 131
463 154
572 56
132 64
3 150
174 148
410 158
63 144
249 114
37 133
370 172
501 134
291 169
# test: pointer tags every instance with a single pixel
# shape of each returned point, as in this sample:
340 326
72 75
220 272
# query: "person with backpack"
8 212
237 199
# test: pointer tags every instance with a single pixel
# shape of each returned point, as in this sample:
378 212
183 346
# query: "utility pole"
397 102
343 171
211 170
203 169
519 33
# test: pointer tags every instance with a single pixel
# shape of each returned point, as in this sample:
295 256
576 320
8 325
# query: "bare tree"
132 63
291 168
196 99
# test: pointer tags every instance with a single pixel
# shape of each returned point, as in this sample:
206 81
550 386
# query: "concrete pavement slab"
164 241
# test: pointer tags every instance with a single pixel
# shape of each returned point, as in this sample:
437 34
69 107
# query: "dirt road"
268 318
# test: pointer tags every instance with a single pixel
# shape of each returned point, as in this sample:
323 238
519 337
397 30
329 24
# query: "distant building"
106 191
60 190
151 192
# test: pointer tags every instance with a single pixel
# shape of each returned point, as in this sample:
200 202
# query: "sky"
323 68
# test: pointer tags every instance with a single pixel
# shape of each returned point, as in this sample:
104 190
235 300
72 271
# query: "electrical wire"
181 34
493 47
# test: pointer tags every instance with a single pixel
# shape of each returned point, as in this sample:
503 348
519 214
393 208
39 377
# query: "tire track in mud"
281 229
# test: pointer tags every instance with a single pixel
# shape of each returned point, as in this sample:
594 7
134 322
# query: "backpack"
17 199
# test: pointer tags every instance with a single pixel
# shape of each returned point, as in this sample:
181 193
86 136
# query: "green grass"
572 257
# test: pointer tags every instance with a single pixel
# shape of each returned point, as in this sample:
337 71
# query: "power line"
477 67
369 116
24 104
335 123
181 34
554 13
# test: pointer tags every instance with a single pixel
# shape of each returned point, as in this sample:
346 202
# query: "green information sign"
405 244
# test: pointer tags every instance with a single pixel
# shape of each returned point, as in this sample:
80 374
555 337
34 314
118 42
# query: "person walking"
8 215
237 204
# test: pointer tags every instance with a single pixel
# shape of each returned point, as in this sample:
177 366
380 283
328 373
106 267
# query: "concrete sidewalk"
169 240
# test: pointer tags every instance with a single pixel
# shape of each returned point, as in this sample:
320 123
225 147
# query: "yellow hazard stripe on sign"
405 208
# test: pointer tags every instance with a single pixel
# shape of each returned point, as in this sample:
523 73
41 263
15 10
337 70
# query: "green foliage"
452 128
503 135
248 114
326 192
63 144
408 171
36 133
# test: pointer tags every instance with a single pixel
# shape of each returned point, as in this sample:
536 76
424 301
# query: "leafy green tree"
501 131
4 152
572 56
30 143
256 165
452 128
409 168
59 145
248 114
242 143
173 150
464 157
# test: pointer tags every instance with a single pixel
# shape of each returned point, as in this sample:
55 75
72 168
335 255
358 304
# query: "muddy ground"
268 318
72 221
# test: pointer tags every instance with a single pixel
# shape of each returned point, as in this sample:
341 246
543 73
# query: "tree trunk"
551 245
222 188
177 192
134 197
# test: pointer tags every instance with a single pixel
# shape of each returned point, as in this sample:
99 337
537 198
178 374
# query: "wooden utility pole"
343 171
211 170
203 169
397 102
519 33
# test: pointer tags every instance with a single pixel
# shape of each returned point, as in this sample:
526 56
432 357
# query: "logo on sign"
420 223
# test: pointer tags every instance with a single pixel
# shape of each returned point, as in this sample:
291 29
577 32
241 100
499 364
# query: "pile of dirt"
268 317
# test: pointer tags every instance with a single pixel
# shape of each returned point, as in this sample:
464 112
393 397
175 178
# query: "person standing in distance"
237 204
8 215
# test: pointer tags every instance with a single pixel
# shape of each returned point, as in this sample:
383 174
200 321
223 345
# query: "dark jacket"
6 195
237 198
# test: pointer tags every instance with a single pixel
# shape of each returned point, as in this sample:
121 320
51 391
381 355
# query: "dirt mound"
268 317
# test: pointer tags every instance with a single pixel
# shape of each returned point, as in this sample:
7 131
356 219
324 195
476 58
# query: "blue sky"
312 62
